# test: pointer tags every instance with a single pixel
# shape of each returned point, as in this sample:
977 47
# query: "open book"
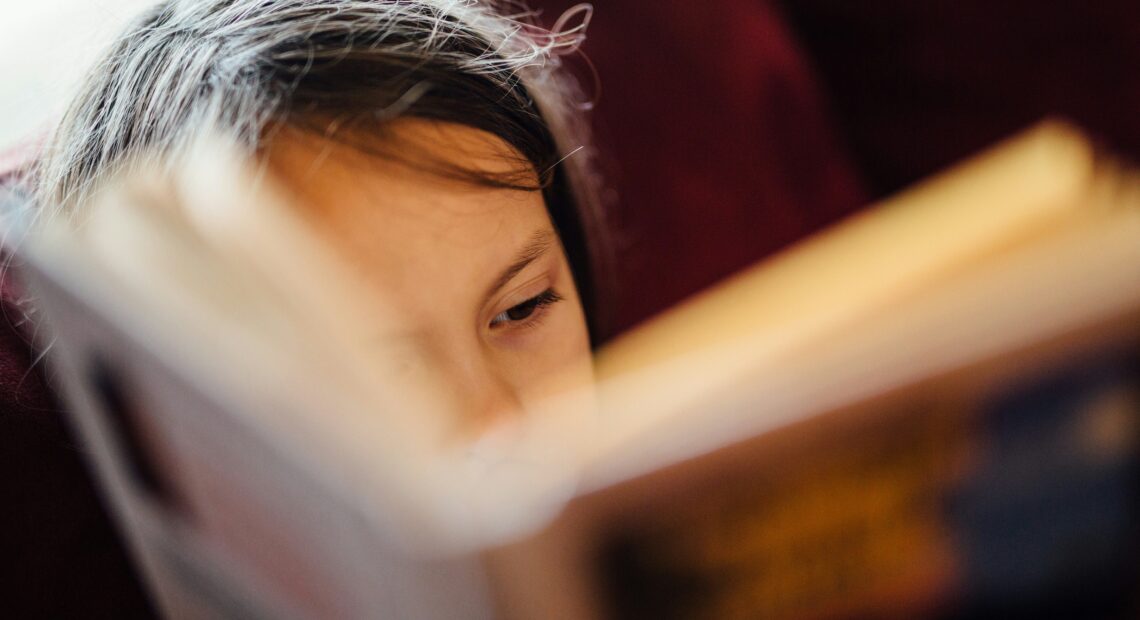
929 409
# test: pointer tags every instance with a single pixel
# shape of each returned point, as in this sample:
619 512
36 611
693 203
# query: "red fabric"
62 558
715 139
918 85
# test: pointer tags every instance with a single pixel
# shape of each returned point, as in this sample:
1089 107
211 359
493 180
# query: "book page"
851 274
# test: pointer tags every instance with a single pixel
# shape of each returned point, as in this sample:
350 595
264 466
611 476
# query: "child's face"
479 281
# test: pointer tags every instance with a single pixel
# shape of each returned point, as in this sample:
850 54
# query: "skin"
476 277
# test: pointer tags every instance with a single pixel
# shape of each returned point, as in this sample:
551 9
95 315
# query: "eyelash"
533 308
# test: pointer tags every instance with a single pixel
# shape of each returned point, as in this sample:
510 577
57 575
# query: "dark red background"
729 130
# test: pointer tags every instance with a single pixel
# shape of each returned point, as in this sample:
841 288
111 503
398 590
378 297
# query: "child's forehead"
413 145
402 224
403 185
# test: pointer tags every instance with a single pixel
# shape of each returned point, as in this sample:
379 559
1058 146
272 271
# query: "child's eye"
526 310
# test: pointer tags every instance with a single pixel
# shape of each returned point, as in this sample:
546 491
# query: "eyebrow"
538 245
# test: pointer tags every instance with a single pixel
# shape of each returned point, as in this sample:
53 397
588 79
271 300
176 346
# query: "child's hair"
340 69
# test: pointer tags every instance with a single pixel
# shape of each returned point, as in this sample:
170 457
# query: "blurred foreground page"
848 431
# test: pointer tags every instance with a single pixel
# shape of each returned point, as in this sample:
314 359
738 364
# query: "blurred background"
728 130
737 127
46 46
